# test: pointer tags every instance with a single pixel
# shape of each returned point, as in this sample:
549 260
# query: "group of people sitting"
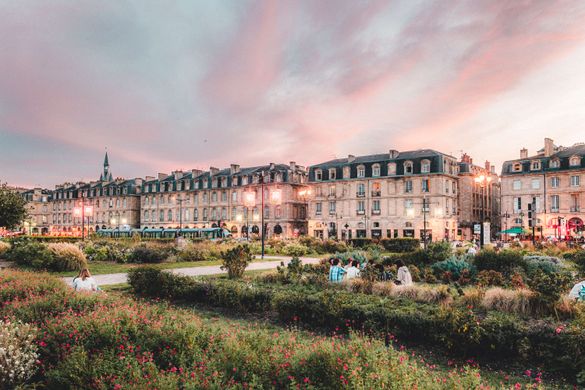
353 269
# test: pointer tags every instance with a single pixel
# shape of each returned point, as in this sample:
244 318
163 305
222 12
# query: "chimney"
466 158
293 166
162 176
488 166
213 170
234 168
196 172
393 153
493 169
523 153
272 166
549 147
149 178
178 174
350 158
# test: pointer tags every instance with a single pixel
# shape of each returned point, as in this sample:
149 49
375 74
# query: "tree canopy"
12 207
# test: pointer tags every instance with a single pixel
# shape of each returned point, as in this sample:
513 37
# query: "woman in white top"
403 277
84 282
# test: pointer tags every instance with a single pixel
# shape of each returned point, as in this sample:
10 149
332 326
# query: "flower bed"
488 334
93 341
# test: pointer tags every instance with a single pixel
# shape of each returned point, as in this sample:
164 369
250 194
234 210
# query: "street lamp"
249 203
304 195
483 181
82 211
506 215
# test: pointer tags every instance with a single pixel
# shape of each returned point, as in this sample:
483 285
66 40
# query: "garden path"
108 279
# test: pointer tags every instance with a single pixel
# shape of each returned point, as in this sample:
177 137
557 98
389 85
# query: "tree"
12 207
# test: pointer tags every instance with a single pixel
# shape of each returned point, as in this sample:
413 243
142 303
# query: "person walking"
336 272
85 282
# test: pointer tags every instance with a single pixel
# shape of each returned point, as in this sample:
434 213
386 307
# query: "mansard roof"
563 155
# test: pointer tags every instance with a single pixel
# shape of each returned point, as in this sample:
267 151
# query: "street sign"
476 228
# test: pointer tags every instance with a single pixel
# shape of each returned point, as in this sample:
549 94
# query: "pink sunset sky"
189 84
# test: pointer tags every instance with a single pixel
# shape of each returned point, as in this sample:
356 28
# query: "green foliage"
579 259
344 257
549 286
56 256
4 249
504 262
236 260
400 245
295 250
12 207
541 263
454 269
438 251
66 257
149 253
487 278
30 254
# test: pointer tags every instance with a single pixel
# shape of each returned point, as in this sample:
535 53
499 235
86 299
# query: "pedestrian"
403 276
353 271
85 282
336 272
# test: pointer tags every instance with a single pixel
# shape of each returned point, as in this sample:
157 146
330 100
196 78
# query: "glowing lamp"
276 197
77 211
249 199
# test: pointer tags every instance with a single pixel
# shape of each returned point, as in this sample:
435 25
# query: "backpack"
581 294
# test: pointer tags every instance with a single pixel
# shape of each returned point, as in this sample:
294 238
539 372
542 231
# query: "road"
107 279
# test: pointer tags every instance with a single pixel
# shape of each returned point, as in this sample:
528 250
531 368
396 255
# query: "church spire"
106 175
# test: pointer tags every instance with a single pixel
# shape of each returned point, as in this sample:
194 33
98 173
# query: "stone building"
387 195
37 208
229 198
479 197
548 184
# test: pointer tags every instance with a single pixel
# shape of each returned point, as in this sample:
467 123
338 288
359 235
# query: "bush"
549 286
4 248
236 260
66 257
546 264
454 269
490 278
295 250
504 262
510 301
400 245
149 253
18 354
438 251
30 254
579 259
108 250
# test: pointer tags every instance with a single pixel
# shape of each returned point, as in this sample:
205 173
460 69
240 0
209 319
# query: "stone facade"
385 196
549 184
216 198
38 210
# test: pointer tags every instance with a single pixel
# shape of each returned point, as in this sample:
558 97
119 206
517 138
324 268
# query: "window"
376 207
224 196
555 163
376 189
195 214
318 208
318 175
146 215
535 165
332 174
425 185
361 171
361 207
408 204
332 208
575 161
361 190
187 216
555 182
535 184
517 205
575 203
517 167
391 168
517 185
213 215
555 203
332 190
425 166
235 196
408 186
205 214
575 181
376 170
214 196
408 168
346 172
170 215
224 212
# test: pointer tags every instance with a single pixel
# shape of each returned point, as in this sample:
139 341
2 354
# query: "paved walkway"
106 279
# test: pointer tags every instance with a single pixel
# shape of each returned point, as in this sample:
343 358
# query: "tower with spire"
106 175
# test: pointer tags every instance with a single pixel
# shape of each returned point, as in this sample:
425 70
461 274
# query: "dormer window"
346 172
376 170
408 168
318 175
361 171
535 165
517 167
332 174
392 169
575 161
555 163
425 166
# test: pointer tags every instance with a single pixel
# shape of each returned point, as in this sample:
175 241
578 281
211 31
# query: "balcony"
360 212
376 193
360 194
376 212
575 209
554 210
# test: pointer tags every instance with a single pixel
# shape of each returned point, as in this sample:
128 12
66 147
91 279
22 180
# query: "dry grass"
425 294
510 301
68 256
4 248
473 296
383 289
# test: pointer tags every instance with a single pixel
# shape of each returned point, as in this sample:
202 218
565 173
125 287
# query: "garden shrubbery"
400 245
18 354
54 257
4 248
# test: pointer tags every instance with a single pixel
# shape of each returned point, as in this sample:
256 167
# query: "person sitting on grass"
336 272
85 282
353 271
403 276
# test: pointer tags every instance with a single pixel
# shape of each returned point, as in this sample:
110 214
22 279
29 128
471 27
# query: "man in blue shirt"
336 272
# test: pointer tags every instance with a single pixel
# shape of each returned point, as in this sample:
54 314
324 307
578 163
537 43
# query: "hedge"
401 245
497 336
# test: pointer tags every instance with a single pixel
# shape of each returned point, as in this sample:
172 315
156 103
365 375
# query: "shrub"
192 252
383 288
295 250
549 287
66 257
510 301
236 260
360 242
473 296
30 253
438 251
400 245
4 248
108 250
344 257
453 269
546 264
504 262
149 253
490 278
423 294
18 354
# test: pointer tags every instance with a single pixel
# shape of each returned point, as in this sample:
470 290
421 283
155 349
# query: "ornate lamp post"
82 211
506 215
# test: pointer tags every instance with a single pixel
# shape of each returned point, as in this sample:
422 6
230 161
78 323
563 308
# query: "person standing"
336 272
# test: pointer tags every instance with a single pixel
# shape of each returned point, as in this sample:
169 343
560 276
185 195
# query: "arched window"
376 170
361 171
318 175
391 168
517 167
555 163
535 165
346 172
408 168
575 161
425 166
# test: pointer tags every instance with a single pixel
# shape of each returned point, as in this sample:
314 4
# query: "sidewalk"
103 280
